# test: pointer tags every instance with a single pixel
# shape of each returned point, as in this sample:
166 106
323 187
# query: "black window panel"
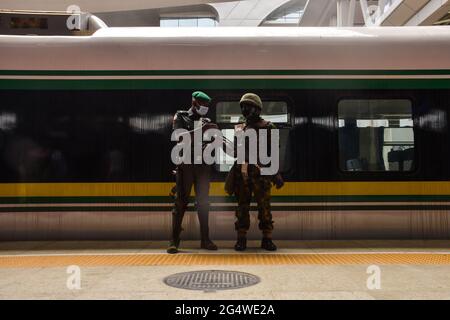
124 135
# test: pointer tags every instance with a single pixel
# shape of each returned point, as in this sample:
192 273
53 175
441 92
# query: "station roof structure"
302 13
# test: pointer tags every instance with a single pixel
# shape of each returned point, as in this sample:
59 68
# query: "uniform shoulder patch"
263 124
180 113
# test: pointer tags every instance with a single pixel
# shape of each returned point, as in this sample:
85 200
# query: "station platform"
298 270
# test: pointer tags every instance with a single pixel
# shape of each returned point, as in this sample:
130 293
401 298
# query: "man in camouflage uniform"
248 179
188 175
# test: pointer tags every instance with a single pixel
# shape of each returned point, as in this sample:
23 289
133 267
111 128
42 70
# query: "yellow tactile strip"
224 259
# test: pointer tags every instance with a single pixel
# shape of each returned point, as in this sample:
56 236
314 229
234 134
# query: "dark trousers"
188 175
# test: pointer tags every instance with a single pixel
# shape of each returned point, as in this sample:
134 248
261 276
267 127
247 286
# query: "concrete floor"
277 281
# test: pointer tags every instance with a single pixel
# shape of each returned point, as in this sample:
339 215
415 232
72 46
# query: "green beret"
201 96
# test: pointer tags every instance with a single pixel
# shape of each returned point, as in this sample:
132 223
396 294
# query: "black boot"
207 244
173 246
267 244
241 244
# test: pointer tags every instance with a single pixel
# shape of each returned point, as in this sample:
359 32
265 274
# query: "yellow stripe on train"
163 189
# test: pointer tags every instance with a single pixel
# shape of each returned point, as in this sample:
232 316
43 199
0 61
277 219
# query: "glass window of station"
376 135
228 114
188 22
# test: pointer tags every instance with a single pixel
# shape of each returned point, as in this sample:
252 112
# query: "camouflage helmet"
253 99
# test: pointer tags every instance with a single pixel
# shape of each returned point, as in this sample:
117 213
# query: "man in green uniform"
191 174
247 179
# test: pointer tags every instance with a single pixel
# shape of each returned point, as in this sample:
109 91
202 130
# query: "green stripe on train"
275 199
136 84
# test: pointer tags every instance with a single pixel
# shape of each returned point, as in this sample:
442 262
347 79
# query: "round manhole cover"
211 280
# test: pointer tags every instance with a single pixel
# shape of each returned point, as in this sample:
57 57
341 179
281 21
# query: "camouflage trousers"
260 187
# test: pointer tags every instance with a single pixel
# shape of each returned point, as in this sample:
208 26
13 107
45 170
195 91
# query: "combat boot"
173 246
267 244
241 244
207 244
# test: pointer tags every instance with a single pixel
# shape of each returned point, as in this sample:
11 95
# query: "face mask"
249 112
202 110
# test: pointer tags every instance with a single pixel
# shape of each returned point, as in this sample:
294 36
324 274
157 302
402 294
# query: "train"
86 121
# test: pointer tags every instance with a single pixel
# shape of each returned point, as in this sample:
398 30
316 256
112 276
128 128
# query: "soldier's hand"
278 181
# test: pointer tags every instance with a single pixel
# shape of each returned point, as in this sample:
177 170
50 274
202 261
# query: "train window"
376 135
228 113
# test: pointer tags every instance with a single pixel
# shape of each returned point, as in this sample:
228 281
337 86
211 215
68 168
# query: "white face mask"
202 110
